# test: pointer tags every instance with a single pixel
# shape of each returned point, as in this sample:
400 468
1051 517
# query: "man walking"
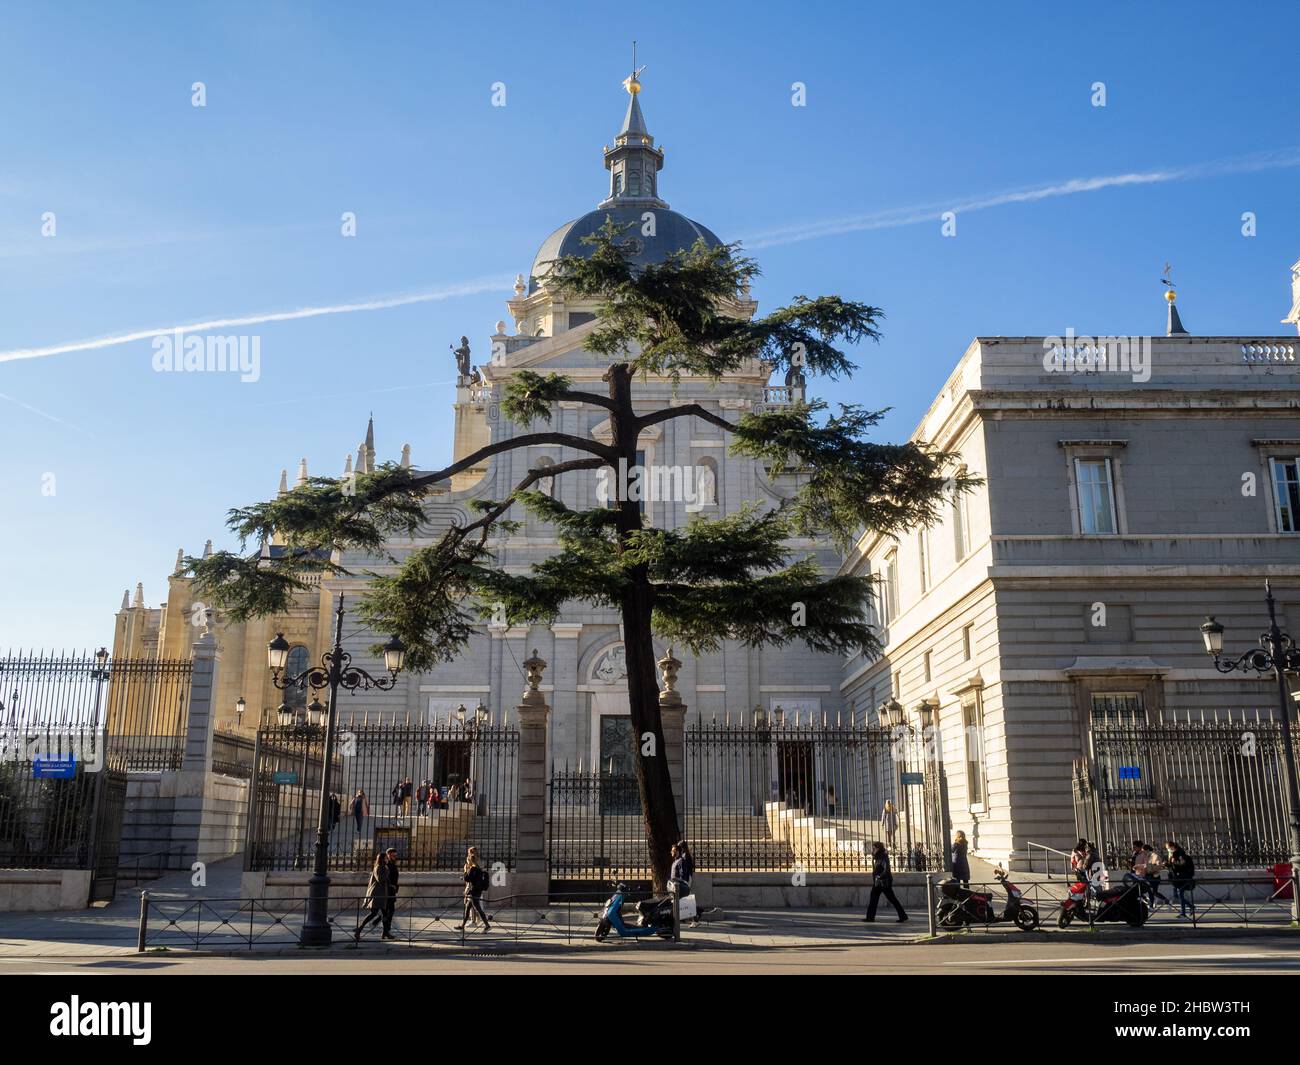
882 883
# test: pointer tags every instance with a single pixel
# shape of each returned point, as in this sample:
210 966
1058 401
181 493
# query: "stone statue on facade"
462 357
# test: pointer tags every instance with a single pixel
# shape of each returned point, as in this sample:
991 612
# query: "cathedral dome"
673 232
633 163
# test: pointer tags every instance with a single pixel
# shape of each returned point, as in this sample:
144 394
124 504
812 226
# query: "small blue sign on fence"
1130 772
54 768
913 779
287 777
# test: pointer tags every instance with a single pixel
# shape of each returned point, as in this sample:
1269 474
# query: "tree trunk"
654 780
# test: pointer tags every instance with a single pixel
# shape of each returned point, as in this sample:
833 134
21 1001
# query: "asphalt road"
970 958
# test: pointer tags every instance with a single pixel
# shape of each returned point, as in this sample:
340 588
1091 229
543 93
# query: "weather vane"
1171 295
631 83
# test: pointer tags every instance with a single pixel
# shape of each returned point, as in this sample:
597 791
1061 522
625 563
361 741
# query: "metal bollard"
929 901
144 921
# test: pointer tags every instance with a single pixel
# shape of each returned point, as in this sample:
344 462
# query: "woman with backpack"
476 882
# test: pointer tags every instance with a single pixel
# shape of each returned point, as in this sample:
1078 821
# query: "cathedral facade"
685 471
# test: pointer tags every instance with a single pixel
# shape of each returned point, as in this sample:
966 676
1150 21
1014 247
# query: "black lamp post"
335 671
1278 653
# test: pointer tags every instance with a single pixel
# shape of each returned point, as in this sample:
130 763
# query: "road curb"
1124 934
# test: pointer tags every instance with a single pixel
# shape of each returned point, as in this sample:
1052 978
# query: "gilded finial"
1170 294
632 82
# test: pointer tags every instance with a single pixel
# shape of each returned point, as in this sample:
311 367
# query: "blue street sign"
913 778
1130 772
54 768
290 777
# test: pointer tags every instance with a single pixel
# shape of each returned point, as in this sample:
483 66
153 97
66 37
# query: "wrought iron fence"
225 924
141 704
596 831
379 778
233 754
71 821
777 795
1214 786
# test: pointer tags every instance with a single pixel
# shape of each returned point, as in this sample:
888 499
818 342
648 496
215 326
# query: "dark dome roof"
673 232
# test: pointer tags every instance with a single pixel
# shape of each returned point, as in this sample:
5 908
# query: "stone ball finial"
521 286
501 327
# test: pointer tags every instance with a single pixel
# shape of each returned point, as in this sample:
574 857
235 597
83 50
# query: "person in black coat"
390 904
960 863
882 883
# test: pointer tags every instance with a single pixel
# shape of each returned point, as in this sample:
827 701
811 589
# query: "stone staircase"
812 839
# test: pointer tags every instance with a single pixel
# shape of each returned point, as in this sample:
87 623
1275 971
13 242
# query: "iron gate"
378 776
595 829
1214 786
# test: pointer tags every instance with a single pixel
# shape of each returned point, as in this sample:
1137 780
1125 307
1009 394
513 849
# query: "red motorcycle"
960 906
1092 904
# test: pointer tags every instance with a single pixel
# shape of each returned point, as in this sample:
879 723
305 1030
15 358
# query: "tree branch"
592 447
655 417
594 398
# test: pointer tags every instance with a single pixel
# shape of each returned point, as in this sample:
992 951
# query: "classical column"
530 882
564 693
672 716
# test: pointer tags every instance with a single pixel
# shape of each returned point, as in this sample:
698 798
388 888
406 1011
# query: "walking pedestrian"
376 894
408 790
1182 873
396 795
1152 876
336 811
889 822
390 904
960 863
422 798
476 881
360 808
882 883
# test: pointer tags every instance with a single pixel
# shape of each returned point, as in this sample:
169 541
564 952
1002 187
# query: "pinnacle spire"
633 162
302 472
284 482
1174 327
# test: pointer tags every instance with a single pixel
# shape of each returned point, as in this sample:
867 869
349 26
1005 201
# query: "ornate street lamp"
240 707
334 672
1277 653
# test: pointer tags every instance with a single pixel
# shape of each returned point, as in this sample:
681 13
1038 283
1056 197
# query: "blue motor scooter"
654 917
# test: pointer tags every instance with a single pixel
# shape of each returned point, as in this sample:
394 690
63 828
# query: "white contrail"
468 288
44 414
930 212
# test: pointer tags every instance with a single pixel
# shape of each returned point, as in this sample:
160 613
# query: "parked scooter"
1126 902
654 917
960 906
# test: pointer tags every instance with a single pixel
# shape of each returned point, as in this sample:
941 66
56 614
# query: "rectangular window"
1095 484
968 641
972 720
926 665
923 549
960 527
1286 492
891 586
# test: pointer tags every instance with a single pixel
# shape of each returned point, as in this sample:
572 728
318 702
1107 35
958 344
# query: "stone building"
1126 497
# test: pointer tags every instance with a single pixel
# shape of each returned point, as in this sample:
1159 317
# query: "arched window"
299 657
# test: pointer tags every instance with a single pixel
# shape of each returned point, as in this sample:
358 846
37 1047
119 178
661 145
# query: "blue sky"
168 214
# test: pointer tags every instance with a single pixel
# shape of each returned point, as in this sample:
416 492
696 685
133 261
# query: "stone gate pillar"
672 716
530 882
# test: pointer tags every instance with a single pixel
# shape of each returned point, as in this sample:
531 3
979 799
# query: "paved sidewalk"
212 919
